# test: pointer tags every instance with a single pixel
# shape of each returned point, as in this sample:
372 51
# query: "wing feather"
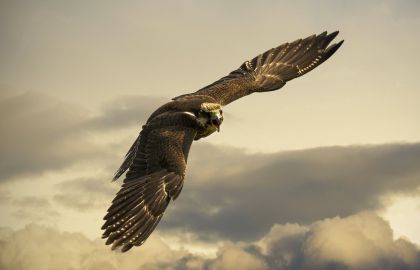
271 70
155 176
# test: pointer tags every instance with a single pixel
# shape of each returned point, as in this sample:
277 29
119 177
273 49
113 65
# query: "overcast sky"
332 158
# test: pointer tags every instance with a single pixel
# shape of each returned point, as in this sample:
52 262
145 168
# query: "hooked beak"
217 122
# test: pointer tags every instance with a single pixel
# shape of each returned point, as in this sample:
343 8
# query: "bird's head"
211 115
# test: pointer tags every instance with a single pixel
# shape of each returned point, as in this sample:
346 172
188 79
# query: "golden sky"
323 173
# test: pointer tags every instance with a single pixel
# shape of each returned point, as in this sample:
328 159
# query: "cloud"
229 194
234 195
38 133
284 240
85 193
360 241
32 201
124 111
34 208
27 208
5 196
232 257
37 247
41 133
226 188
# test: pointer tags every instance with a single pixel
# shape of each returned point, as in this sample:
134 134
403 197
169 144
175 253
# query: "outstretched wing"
271 70
156 166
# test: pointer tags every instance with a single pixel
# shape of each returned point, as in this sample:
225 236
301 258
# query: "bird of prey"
157 160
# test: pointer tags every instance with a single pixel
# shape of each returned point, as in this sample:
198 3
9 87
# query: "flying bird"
157 160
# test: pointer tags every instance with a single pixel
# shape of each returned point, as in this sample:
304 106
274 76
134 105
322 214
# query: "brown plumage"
156 162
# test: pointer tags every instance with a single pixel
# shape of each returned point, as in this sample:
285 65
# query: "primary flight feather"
157 160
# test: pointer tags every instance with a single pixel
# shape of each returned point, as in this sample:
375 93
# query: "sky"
322 174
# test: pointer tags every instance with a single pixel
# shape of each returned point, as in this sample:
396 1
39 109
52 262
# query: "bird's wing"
156 166
271 70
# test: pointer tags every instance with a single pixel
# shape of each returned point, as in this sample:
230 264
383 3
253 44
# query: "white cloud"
403 213
41 248
360 241
281 234
233 257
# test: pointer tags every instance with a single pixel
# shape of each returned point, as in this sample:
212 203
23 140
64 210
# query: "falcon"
156 162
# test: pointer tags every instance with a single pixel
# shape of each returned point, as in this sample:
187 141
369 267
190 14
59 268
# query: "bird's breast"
205 131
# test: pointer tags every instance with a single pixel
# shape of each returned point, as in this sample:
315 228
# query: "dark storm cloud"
236 196
41 133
